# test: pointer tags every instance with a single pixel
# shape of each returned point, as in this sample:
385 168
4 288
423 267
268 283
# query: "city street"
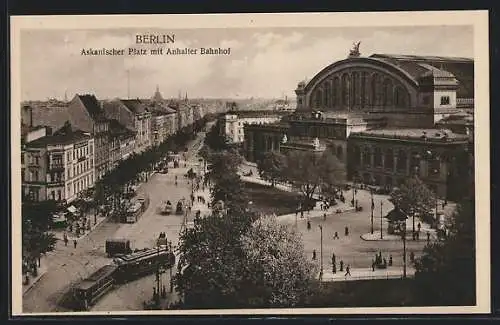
66 265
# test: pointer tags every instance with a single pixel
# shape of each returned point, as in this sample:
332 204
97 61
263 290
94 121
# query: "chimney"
29 111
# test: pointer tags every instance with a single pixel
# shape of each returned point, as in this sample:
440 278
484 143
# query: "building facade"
132 114
122 142
86 113
387 158
386 117
58 166
232 125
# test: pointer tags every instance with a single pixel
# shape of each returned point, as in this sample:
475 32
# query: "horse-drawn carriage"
180 207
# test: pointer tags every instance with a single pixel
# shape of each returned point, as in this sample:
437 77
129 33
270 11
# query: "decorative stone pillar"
382 152
408 161
424 168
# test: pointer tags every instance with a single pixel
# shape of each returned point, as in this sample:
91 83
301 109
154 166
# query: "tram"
142 263
88 291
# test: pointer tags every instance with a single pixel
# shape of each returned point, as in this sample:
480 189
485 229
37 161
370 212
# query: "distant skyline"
265 63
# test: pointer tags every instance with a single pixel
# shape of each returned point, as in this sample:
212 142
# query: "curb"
32 285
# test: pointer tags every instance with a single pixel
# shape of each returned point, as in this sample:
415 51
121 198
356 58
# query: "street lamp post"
404 250
170 270
321 251
373 207
353 191
413 226
381 217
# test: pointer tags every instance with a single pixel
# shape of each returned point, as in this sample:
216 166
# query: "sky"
263 62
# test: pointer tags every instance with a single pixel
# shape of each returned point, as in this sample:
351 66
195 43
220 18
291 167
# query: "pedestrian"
308 225
390 260
333 258
74 243
314 255
385 263
334 268
412 257
348 271
428 237
419 226
296 213
373 265
336 236
341 265
324 216
302 213
346 231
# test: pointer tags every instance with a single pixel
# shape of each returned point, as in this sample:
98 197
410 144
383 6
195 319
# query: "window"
367 157
445 100
377 159
389 159
434 167
340 152
402 158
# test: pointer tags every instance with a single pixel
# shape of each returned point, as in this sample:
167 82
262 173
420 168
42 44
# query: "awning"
72 209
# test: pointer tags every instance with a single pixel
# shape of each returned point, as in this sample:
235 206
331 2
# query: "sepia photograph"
333 163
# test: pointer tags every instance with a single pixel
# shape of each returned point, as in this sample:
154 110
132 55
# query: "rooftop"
117 129
260 113
417 134
92 106
417 65
65 135
134 105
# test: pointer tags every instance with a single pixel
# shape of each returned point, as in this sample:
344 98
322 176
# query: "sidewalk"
42 270
425 228
59 234
367 274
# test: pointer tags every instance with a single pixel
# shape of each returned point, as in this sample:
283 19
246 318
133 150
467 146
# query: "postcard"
243 164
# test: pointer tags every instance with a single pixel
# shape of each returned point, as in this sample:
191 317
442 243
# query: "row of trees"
306 171
115 185
233 258
38 217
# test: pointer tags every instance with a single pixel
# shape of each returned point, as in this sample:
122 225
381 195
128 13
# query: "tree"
210 263
280 275
224 263
332 173
445 274
37 219
271 166
307 171
215 138
414 196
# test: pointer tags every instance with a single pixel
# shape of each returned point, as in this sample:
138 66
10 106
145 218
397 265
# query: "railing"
465 101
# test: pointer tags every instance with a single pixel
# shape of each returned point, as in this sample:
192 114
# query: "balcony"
56 166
